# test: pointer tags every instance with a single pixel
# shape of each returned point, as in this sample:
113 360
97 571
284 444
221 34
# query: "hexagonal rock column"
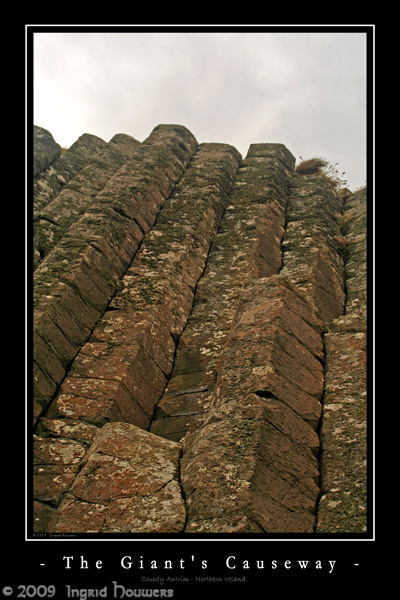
343 504
129 482
122 370
45 150
355 215
53 220
74 284
252 464
246 246
49 183
310 246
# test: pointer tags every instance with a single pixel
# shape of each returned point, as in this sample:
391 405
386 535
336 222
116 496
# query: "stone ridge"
45 150
74 284
310 246
121 497
343 463
85 182
247 245
49 182
252 466
199 341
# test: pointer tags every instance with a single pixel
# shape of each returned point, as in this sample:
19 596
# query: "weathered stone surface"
310 246
253 459
168 304
74 284
84 433
53 221
49 183
278 347
343 463
43 516
45 149
244 475
356 254
122 371
247 246
129 482
56 463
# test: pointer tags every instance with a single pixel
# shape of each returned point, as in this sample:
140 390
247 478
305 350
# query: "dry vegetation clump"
311 166
319 166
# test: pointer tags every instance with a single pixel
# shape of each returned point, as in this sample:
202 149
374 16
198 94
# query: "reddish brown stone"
241 467
51 181
247 246
78 193
310 245
76 281
160 306
78 517
56 463
132 349
343 463
68 429
43 516
254 455
129 482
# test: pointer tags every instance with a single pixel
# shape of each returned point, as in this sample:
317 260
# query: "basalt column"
52 221
50 182
251 466
74 284
199 335
247 246
325 255
131 350
258 443
45 150
311 257
343 503
121 372
127 481
248 372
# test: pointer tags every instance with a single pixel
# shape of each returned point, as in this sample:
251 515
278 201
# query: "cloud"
305 90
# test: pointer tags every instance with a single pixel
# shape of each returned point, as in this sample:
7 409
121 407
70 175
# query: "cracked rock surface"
199 341
129 481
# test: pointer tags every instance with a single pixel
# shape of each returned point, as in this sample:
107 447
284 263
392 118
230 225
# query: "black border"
347 549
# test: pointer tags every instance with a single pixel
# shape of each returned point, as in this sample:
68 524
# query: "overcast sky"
306 90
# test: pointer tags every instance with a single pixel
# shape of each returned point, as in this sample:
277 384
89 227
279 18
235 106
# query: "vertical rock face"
45 150
121 372
50 181
68 202
199 341
310 247
246 247
75 283
129 481
269 386
343 503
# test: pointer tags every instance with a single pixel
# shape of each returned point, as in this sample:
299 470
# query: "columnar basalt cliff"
199 340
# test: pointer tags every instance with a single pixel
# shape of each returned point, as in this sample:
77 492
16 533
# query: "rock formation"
199 340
